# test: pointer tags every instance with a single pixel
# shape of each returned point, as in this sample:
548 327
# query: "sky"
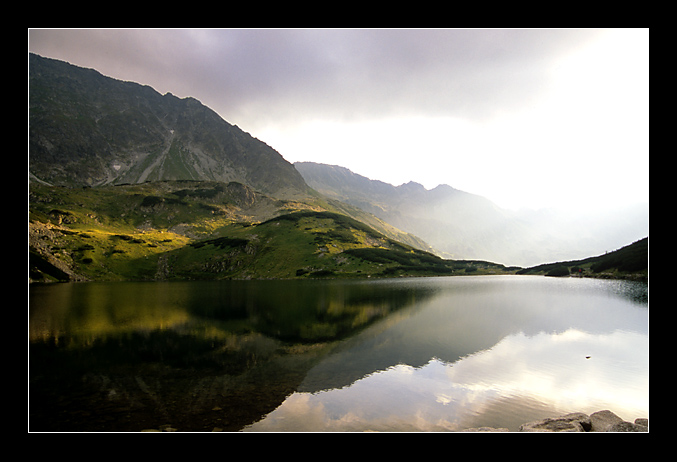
528 118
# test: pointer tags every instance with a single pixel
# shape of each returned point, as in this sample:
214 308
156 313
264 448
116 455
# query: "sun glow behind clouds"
585 143
526 117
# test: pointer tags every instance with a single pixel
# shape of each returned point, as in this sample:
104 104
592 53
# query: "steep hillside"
201 230
86 129
629 262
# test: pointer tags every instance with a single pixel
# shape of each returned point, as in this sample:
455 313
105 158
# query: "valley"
129 184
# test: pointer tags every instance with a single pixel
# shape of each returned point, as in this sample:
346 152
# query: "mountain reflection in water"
195 355
422 354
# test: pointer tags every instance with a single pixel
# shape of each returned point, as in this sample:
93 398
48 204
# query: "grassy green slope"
123 232
310 244
209 230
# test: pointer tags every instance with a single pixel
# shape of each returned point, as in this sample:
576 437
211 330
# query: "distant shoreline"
640 277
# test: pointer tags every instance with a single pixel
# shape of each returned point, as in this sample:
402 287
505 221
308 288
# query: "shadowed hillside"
86 129
629 262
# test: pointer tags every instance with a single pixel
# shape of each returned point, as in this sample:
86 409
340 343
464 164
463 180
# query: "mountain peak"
412 186
86 129
444 188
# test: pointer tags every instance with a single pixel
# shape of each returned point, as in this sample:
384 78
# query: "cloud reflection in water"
521 378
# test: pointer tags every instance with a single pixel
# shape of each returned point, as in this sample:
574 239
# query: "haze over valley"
460 225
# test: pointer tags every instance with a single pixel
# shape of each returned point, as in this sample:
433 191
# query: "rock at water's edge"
643 422
602 421
628 427
575 422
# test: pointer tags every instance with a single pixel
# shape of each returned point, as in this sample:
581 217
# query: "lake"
410 354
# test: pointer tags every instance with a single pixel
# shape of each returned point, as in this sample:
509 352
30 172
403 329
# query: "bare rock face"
575 422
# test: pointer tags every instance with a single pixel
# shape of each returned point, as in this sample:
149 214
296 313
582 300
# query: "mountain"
86 129
628 262
124 181
121 177
455 223
461 225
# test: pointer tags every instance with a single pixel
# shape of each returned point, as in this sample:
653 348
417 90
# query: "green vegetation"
558 271
208 230
310 244
629 262
176 230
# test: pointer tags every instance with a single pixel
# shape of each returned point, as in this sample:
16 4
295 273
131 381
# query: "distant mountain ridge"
457 224
370 195
86 129
461 225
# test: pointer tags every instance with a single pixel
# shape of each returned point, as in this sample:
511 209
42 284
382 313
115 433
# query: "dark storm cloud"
278 74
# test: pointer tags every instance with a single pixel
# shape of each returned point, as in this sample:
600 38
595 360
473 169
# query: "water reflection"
469 315
484 352
124 356
519 379
421 354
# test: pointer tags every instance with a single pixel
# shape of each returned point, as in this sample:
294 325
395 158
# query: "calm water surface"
419 354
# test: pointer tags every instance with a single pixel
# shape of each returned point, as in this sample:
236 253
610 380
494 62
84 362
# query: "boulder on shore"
575 422
601 421
628 427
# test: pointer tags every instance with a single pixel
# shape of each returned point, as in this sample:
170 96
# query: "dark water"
421 354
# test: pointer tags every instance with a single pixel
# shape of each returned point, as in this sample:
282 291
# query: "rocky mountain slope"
86 129
123 177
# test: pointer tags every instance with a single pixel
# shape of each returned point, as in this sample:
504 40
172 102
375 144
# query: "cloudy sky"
527 118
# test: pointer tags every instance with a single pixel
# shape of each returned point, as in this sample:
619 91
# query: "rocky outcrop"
601 421
43 239
576 422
